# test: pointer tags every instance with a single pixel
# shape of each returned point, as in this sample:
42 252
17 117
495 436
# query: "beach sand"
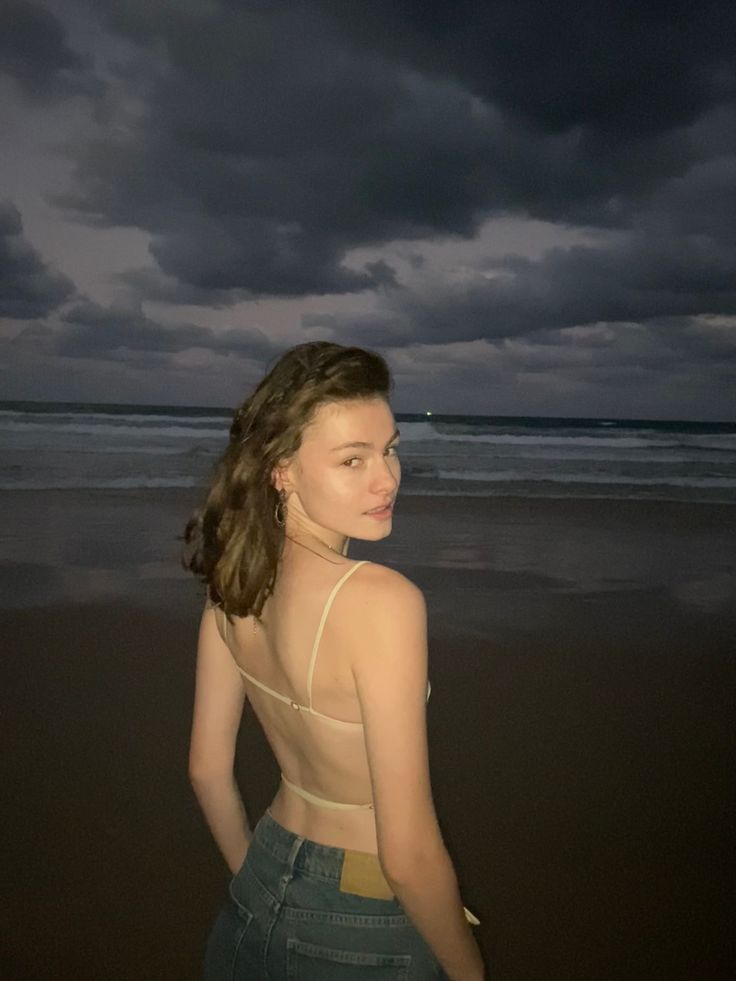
580 727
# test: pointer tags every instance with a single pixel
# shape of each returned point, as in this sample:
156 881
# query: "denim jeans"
286 919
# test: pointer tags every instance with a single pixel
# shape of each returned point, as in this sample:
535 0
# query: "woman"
346 875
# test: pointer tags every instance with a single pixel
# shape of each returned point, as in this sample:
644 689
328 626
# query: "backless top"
309 708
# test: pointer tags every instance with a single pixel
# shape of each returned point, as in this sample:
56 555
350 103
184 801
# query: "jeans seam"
309 874
241 935
308 949
378 921
283 884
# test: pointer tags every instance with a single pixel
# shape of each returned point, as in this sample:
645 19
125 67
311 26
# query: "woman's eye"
355 461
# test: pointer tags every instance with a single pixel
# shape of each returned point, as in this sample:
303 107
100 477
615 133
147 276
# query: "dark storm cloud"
270 151
166 289
641 278
258 143
34 51
152 284
676 260
28 288
618 68
658 347
248 166
91 331
278 136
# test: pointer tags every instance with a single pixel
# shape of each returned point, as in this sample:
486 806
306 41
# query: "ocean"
57 446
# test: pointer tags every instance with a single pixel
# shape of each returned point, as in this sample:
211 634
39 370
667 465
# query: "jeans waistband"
363 877
311 856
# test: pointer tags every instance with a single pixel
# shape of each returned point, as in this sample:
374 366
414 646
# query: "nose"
387 476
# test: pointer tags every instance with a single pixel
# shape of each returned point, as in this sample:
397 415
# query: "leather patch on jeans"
362 875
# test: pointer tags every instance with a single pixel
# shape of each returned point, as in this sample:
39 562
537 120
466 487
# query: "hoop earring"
279 512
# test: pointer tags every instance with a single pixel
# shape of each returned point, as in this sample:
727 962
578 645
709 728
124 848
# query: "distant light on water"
429 413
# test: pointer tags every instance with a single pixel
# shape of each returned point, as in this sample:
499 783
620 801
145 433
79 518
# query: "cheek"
329 490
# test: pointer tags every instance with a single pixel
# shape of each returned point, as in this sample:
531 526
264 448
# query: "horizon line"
422 414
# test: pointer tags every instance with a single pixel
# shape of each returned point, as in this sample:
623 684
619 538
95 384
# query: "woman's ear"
280 478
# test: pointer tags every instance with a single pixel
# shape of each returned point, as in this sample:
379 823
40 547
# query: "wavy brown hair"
233 542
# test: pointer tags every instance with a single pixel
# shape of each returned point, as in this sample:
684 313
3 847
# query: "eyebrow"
361 446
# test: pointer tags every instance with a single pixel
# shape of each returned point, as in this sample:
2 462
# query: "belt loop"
283 884
289 873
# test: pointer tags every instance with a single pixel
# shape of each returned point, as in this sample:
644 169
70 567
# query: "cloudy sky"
528 207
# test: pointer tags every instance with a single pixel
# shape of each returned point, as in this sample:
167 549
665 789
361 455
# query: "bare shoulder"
378 590
383 612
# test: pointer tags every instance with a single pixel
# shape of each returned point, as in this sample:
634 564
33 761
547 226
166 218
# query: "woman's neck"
301 535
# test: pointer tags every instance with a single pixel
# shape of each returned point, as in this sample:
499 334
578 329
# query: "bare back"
325 756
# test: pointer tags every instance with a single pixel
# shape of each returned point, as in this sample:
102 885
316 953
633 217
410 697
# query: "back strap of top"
323 619
322 801
318 637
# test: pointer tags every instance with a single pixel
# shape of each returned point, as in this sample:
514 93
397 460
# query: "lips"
383 507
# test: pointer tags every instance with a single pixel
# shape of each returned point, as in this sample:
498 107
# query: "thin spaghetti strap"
222 630
318 637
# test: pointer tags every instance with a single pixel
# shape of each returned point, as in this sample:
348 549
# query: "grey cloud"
658 346
269 173
34 51
91 331
700 202
625 70
626 370
662 284
272 145
28 287
274 138
278 136
34 339
259 255
639 279
377 328
698 341
678 260
154 285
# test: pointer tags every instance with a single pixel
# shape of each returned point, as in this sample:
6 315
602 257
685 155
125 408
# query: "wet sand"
580 726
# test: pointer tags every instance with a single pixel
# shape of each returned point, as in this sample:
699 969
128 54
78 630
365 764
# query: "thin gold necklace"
318 539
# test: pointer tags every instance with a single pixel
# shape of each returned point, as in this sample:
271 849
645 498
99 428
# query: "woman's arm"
389 661
218 706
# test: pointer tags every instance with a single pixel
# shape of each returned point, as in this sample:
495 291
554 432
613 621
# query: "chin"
376 534
380 531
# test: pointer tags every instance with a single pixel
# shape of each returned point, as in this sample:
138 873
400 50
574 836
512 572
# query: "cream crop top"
296 706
